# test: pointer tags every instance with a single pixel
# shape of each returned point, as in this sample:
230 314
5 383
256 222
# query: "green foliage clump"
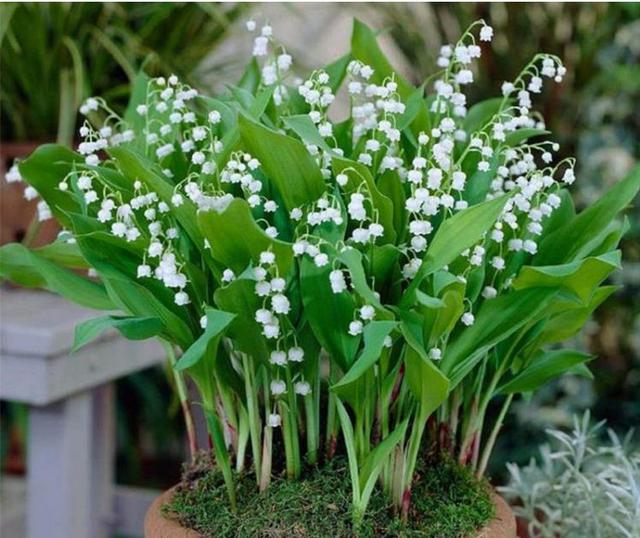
448 502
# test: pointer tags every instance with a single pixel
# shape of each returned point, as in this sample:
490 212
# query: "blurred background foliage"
54 56
88 49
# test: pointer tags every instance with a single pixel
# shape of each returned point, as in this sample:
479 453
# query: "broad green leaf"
428 301
578 237
63 253
562 215
328 313
337 70
446 317
579 278
237 240
479 183
304 127
129 327
413 106
570 320
138 97
251 77
516 137
385 271
390 185
361 180
137 300
114 257
239 298
481 113
217 322
352 258
44 169
613 234
544 367
455 234
30 269
364 47
285 161
427 383
495 321
374 336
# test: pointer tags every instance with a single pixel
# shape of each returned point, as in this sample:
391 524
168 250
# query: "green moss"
447 502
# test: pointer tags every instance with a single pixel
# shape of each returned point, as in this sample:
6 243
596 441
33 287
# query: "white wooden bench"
71 445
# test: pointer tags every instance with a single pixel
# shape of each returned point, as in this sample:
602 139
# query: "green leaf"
138 97
32 270
304 127
570 320
251 77
479 182
446 317
237 240
455 234
427 383
217 322
285 161
374 335
140 302
578 237
579 278
44 169
495 321
239 298
414 104
516 137
352 258
390 185
328 313
481 113
131 328
544 367
364 47
64 254
337 70
358 175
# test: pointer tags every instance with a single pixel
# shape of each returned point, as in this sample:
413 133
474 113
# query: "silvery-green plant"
581 487
323 279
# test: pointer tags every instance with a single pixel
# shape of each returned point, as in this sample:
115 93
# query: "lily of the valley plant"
365 284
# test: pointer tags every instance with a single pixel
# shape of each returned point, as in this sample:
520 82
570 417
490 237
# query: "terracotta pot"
157 526
16 213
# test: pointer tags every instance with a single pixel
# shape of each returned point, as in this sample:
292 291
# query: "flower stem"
484 460
184 400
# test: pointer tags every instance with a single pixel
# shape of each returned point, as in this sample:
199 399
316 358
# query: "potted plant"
347 295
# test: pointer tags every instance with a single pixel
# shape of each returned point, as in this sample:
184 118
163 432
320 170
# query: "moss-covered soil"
447 502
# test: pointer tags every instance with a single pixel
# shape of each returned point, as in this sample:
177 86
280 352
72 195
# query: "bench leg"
70 467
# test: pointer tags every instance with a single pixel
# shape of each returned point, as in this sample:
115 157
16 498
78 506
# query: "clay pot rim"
158 526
